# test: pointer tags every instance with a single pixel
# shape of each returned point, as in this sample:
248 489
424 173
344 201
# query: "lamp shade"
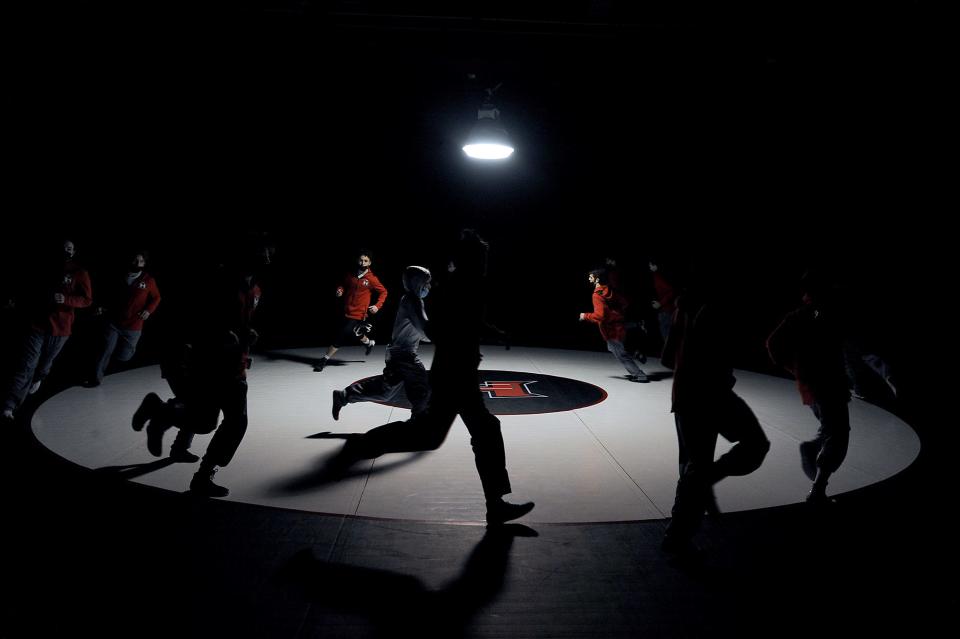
488 140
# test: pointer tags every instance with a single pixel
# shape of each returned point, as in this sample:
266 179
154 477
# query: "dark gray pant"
406 372
454 392
118 343
196 411
697 430
833 435
36 360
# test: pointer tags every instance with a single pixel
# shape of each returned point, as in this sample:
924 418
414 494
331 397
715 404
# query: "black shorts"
350 332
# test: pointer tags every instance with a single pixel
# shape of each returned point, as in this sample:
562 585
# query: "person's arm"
380 290
153 299
599 310
82 294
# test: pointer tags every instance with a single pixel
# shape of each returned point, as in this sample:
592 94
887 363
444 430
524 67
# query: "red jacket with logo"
77 292
357 293
140 295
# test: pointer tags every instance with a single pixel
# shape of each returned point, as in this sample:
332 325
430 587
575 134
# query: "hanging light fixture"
488 140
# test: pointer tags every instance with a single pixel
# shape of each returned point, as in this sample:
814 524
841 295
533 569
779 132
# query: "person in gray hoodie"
403 367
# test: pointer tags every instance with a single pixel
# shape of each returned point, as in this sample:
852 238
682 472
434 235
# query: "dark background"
759 141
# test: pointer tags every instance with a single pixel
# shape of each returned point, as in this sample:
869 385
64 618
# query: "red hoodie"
607 312
358 294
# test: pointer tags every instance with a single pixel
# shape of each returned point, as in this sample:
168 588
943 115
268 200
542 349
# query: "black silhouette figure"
808 343
206 368
705 406
457 322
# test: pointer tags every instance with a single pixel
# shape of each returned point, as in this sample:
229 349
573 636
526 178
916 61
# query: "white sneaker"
34 387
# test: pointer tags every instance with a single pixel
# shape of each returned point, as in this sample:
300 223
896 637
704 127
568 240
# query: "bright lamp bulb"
488 151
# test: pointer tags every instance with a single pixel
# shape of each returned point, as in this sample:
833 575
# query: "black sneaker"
339 401
183 455
318 367
202 484
91 383
501 511
641 378
817 496
146 411
369 347
155 430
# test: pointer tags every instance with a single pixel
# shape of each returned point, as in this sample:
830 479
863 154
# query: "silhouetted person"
664 300
131 299
49 303
356 291
809 344
403 367
704 406
206 368
457 322
608 315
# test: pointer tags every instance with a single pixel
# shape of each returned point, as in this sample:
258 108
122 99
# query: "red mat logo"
509 389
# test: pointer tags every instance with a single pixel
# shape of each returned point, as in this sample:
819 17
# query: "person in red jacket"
134 299
64 289
608 307
357 291
808 343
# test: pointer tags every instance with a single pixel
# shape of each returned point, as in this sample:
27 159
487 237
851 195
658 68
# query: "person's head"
257 255
814 286
364 259
653 266
68 248
470 254
137 261
416 280
597 277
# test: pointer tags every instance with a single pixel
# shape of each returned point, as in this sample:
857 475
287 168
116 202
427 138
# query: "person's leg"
342 337
738 424
226 439
697 440
108 342
616 347
127 341
52 346
416 385
489 455
374 389
29 357
834 438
